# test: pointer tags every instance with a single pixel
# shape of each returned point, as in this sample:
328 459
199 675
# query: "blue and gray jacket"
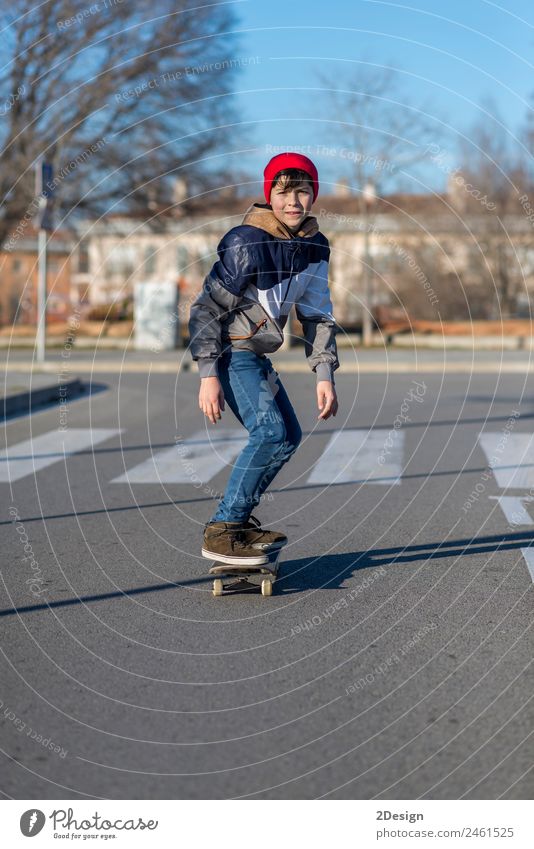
262 270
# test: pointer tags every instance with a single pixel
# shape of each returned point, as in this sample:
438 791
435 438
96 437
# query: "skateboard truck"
246 578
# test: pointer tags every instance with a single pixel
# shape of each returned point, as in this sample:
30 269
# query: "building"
19 274
431 256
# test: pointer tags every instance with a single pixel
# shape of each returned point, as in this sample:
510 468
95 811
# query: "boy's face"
291 206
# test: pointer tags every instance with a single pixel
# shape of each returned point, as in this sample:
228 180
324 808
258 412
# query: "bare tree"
494 172
428 287
378 132
122 98
378 135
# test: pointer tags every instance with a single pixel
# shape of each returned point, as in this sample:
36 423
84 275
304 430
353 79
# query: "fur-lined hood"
261 215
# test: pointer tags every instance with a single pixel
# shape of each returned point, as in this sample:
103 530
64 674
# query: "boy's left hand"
326 399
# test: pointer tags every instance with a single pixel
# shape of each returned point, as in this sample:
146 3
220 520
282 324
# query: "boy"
277 257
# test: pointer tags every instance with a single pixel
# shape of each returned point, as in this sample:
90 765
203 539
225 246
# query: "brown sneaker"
228 542
274 539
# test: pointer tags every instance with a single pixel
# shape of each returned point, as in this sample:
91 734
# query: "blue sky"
449 55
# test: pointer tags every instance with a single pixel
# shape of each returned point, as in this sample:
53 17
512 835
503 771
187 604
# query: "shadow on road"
327 571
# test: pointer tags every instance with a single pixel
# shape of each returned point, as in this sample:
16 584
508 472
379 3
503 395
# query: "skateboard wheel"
217 587
266 587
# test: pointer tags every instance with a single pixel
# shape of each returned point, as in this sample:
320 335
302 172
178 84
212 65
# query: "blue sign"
47 176
44 191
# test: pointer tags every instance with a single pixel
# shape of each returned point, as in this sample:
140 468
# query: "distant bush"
116 311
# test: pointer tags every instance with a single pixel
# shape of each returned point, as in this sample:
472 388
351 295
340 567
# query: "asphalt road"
393 660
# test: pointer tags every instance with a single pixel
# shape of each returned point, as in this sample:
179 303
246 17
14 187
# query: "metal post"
368 197
44 190
367 307
41 298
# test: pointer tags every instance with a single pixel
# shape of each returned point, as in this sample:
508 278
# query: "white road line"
513 508
32 455
528 554
354 456
198 458
511 457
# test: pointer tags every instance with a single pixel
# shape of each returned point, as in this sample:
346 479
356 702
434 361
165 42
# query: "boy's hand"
326 399
211 398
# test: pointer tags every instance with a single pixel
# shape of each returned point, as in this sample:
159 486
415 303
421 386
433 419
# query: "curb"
24 402
146 367
401 341
92 367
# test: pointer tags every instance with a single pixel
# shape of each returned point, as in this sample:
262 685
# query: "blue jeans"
253 391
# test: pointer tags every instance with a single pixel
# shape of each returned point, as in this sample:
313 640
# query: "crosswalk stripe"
198 458
511 457
528 554
354 456
34 454
514 509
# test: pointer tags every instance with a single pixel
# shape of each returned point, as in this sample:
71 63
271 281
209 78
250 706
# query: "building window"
84 294
83 258
182 258
121 261
150 259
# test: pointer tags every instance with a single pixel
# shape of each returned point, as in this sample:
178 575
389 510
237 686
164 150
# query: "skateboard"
246 578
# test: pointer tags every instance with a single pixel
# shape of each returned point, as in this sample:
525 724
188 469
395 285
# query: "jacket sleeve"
221 293
314 311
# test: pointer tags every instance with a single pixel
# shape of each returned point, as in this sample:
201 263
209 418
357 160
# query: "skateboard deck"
245 578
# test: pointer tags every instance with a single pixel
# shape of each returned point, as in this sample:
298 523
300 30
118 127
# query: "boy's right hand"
211 398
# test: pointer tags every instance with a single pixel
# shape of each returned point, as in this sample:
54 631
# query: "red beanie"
289 160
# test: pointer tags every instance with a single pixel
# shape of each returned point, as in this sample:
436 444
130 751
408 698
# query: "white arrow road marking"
32 455
354 456
511 457
513 509
528 554
198 458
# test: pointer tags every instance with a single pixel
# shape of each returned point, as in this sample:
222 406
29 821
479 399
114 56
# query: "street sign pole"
41 297
43 190
368 197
